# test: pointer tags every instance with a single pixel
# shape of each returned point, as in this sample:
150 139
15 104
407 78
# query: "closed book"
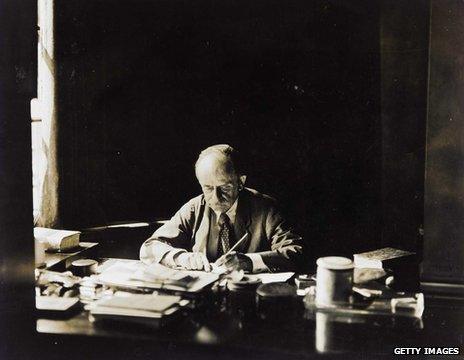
148 303
384 258
153 310
57 240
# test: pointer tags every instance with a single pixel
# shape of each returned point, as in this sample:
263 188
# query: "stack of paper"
135 274
267 278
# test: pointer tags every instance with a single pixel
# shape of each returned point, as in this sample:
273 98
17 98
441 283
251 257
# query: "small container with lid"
334 281
84 267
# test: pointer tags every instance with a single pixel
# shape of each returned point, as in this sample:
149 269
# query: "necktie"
225 233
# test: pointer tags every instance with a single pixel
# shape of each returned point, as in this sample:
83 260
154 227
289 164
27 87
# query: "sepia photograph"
231 179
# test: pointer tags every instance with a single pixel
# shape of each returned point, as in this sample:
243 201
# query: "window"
39 162
42 108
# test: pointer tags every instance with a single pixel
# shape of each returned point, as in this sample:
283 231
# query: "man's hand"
235 261
192 261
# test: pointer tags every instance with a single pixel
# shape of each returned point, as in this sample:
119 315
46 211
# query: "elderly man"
208 226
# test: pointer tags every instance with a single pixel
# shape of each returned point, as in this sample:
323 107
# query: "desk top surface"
237 321
54 259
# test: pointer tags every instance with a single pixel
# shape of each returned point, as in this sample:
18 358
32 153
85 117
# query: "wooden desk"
220 329
60 261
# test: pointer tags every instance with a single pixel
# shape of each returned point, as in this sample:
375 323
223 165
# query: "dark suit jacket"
257 215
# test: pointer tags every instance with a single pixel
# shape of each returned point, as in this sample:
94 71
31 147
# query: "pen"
234 247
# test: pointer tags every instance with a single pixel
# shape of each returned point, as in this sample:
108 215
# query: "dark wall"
404 72
18 44
444 186
143 86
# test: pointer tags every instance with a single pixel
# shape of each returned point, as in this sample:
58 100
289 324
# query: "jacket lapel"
201 235
242 221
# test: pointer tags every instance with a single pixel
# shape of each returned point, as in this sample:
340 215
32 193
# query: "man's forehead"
215 165
214 170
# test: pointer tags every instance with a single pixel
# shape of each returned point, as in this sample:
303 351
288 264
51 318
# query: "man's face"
220 186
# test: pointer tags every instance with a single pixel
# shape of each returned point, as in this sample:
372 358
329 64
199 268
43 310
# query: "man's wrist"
171 257
257 262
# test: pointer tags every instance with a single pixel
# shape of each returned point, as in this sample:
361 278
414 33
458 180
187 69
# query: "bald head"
219 176
217 158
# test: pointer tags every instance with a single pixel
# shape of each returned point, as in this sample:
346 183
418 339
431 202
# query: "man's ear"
242 180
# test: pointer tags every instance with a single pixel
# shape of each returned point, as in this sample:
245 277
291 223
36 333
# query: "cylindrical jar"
334 281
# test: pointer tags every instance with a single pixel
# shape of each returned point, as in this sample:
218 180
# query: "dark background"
327 100
144 86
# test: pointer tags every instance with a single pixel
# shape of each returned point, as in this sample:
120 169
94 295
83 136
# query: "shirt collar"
230 213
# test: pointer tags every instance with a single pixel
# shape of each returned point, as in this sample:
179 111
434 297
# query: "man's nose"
217 193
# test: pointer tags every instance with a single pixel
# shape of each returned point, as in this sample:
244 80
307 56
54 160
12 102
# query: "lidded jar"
334 281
